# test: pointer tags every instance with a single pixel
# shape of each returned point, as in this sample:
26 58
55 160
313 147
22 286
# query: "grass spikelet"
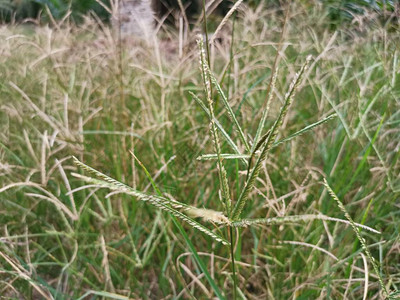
223 179
165 204
270 96
218 125
269 142
130 191
359 237
295 219
228 108
224 156
262 140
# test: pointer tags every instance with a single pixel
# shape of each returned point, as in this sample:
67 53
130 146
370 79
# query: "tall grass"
171 190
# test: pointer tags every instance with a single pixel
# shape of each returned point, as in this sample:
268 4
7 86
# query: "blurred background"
19 10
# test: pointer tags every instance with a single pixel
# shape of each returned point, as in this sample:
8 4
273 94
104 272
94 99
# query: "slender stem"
233 262
120 67
232 246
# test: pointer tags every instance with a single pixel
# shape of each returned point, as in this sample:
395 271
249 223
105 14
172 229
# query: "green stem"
233 263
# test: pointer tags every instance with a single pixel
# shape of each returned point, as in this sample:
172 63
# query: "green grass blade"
381 159
304 130
248 91
196 256
365 157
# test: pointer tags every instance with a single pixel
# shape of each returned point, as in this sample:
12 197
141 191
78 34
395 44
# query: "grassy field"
129 110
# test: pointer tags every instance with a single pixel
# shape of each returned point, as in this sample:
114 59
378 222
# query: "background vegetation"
71 89
339 10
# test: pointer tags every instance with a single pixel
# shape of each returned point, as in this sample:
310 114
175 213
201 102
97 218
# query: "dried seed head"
208 215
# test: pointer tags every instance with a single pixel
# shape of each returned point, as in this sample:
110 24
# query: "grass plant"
202 182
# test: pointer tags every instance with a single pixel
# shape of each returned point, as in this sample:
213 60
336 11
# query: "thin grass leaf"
165 204
315 247
387 169
223 178
338 113
365 157
269 142
146 254
356 242
106 132
304 130
197 258
359 237
231 114
394 295
61 207
295 219
248 91
103 294
147 173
